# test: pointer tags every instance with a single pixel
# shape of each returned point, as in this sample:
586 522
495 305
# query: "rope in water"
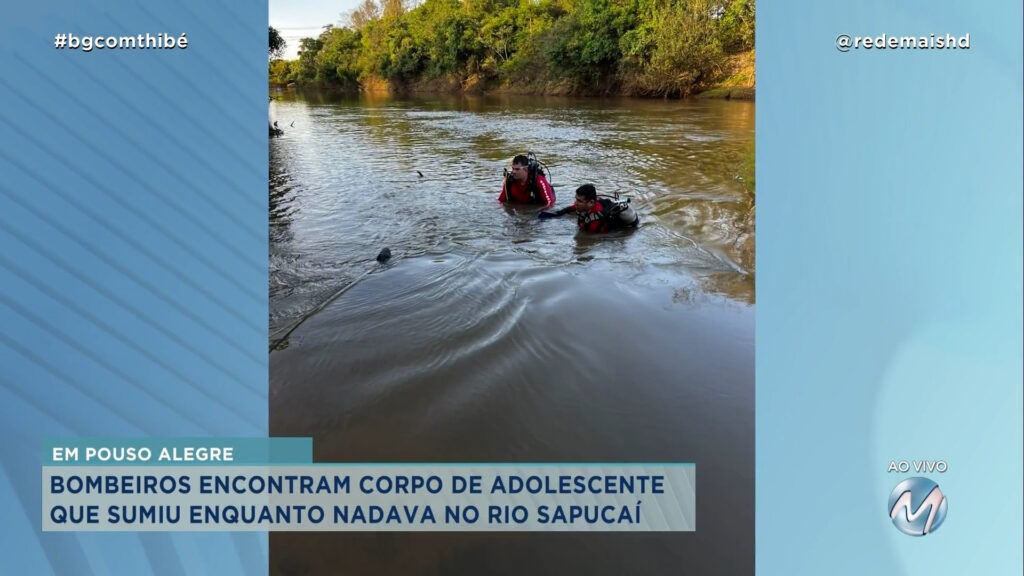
384 256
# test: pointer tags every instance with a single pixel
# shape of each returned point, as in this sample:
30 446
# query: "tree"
308 49
687 54
393 9
736 25
367 12
277 44
337 62
667 48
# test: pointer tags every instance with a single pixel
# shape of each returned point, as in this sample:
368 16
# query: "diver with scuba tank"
526 183
598 215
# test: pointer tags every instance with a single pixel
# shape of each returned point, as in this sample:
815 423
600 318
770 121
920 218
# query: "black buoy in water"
384 255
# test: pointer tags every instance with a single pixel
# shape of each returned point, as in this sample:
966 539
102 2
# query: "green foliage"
446 35
308 50
337 61
686 52
586 46
535 35
736 26
652 47
372 55
277 44
498 36
404 55
280 71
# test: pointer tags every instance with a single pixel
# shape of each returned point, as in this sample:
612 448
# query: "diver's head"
586 198
520 168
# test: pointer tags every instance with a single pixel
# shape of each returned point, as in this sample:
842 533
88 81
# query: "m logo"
917 507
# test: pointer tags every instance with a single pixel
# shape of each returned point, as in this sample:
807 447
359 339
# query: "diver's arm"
546 193
503 197
557 213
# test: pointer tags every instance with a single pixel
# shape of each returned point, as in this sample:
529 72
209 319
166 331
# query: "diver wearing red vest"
598 215
526 184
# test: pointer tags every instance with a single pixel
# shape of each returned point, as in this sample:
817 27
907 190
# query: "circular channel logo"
917 506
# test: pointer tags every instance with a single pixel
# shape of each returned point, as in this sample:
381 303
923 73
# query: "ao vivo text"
919 466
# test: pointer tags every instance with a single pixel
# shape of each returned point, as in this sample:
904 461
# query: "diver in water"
526 184
598 215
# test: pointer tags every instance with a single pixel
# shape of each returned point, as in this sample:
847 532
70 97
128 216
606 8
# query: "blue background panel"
134 271
889 288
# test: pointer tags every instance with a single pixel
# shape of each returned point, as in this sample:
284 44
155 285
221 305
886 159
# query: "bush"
687 53
279 72
736 26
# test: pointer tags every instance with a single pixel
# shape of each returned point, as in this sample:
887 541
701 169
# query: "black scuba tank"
621 212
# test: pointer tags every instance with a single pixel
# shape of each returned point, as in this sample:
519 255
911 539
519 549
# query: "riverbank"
737 83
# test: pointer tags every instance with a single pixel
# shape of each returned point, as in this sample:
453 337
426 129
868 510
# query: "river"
494 336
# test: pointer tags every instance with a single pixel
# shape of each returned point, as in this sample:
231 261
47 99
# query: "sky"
297 19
